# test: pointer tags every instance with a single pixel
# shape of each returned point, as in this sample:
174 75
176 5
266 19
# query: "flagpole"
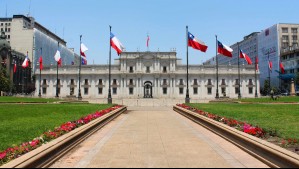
217 76
80 60
40 75
57 77
239 74
269 71
109 92
256 96
187 100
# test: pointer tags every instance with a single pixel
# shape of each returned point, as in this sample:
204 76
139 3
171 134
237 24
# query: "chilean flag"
257 63
26 62
282 68
58 58
196 43
83 49
246 57
41 63
270 65
147 41
15 67
116 44
225 50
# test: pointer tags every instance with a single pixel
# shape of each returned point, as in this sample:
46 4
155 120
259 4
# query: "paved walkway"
152 138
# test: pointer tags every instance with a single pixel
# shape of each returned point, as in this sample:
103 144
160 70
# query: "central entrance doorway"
148 89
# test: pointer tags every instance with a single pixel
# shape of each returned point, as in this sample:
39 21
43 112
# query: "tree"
266 89
5 84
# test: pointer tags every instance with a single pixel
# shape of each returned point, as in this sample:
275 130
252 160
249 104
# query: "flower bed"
15 152
244 127
241 126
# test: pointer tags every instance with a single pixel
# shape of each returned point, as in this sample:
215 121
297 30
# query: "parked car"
297 92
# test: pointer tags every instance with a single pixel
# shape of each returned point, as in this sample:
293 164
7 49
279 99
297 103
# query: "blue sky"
164 20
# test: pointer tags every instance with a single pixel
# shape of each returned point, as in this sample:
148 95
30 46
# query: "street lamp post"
109 92
187 100
239 73
40 76
255 74
80 60
217 76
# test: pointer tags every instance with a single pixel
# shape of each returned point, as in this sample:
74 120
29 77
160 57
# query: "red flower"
2 155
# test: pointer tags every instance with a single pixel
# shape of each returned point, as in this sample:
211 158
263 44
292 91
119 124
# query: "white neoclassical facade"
158 75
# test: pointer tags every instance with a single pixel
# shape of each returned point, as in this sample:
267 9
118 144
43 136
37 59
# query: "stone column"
292 90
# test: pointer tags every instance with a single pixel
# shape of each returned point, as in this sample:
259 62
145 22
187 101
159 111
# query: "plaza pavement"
156 137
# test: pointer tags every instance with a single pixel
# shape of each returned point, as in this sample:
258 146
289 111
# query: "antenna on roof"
6 11
29 9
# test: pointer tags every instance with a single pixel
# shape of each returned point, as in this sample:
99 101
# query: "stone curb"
47 154
271 154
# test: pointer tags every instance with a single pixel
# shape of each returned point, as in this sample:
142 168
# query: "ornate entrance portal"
148 90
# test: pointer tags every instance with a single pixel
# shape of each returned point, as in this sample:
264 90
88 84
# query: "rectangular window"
295 38
237 90
195 90
164 69
114 90
85 91
195 82
285 30
131 91
44 90
285 37
131 82
223 82
100 91
100 82
86 82
114 82
209 82
181 82
250 90
209 90
164 90
292 71
250 82
237 82
164 81
148 70
181 90
294 30
45 82
131 69
223 90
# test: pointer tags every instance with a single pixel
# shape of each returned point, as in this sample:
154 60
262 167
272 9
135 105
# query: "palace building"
157 75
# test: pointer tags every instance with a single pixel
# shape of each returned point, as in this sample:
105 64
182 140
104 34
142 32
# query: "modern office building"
26 35
278 42
137 75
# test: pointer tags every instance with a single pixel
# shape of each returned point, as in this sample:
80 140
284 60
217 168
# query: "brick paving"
148 137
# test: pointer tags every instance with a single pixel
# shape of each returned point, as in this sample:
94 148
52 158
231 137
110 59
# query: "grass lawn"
268 100
22 123
25 100
282 118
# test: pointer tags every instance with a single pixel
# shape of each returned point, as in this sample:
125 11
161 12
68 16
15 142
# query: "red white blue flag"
225 50
282 68
26 62
270 65
116 44
58 58
196 43
83 49
246 57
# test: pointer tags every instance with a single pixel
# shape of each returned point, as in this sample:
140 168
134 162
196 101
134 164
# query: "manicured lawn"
282 118
25 100
22 123
268 100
